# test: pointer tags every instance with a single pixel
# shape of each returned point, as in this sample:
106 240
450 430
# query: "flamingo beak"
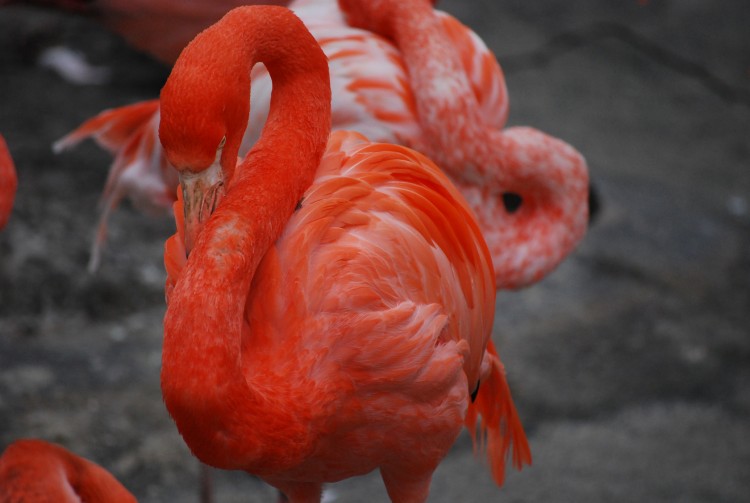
201 193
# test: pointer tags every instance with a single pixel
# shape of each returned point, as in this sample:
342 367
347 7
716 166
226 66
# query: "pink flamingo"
35 471
329 307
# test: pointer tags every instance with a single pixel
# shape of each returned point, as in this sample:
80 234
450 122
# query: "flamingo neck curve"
218 412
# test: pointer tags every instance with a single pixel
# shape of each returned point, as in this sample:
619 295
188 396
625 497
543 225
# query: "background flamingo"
8 183
36 471
377 295
374 93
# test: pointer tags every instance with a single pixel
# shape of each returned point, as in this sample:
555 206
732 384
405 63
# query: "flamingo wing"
429 248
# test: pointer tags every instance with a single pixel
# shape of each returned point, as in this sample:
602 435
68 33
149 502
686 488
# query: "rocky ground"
630 364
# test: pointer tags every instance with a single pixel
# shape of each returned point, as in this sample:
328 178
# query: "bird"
329 299
37 471
528 189
8 183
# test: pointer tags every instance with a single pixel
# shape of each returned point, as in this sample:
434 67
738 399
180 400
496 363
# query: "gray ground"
629 364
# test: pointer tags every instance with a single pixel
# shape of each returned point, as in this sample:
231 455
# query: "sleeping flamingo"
334 311
35 471
8 183
382 89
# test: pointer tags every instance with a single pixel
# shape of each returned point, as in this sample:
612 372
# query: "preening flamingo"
335 311
387 89
8 183
35 471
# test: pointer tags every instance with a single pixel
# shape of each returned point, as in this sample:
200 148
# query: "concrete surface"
629 364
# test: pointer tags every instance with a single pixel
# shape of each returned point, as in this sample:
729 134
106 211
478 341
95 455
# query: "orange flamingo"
8 183
383 88
35 471
335 312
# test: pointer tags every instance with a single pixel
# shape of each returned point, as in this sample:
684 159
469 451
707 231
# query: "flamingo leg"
404 486
298 492
206 484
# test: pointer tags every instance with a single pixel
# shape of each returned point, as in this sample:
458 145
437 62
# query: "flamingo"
383 89
36 471
330 303
8 183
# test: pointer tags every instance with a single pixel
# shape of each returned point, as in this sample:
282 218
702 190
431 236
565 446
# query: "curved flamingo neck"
218 412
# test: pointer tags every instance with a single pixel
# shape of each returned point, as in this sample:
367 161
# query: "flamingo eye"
512 202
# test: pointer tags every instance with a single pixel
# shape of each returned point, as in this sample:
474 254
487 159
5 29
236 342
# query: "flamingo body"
35 471
335 310
372 309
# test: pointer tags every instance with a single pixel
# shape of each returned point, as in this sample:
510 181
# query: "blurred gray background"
629 364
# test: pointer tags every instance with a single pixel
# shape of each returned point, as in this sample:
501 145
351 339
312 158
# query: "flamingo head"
532 204
204 110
